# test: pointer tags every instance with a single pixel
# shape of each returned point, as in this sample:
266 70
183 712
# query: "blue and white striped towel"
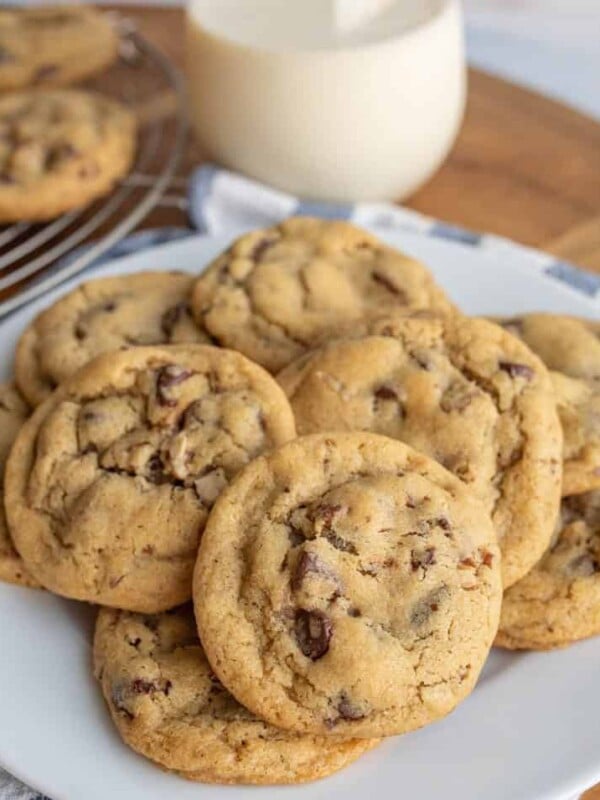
221 202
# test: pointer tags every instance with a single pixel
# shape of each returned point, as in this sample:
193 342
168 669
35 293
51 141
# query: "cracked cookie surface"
570 348
110 482
169 706
13 413
147 308
53 45
59 150
558 602
276 292
347 584
464 392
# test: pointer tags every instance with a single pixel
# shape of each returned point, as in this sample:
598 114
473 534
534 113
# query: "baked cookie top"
59 150
461 390
146 308
347 584
558 602
570 347
13 413
53 45
275 292
169 706
110 482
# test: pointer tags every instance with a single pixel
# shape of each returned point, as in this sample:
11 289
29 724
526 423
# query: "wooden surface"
523 166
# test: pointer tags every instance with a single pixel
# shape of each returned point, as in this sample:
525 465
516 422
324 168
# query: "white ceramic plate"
529 731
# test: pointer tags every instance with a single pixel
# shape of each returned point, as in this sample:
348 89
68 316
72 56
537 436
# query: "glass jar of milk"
338 100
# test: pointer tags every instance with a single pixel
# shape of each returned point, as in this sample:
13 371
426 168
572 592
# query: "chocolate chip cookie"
59 150
275 292
53 45
147 308
570 347
347 585
13 413
170 707
558 602
464 392
110 482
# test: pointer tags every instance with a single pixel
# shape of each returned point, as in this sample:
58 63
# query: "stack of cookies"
60 148
307 493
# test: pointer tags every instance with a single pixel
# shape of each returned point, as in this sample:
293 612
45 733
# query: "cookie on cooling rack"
53 45
169 706
145 308
59 150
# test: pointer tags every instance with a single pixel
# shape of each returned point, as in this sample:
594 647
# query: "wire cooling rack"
36 257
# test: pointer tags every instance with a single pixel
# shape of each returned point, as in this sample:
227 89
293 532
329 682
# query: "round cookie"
558 602
570 347
275 292
168 705
53 45
347 584
146 308
13 413
59 150
109 484
464 392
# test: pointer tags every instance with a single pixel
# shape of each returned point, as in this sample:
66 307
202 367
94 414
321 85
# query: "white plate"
529 731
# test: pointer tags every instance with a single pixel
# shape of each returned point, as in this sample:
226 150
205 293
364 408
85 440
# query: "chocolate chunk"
134 642
422 558
156 470
340 544
517 370
167 378
354 612
261 247
6 180
141 686
59 154
386 282
313 630
348 709
45 72
385 393
423 610
487 558
172 317
295 536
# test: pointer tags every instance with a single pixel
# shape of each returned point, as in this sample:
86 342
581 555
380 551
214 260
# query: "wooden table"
524 166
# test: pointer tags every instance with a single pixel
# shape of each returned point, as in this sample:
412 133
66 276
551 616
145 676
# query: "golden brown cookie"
570 347
169 706
558 602
276 292
145 308
50 46
59 150
13 413
464 392
347 585
109 484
